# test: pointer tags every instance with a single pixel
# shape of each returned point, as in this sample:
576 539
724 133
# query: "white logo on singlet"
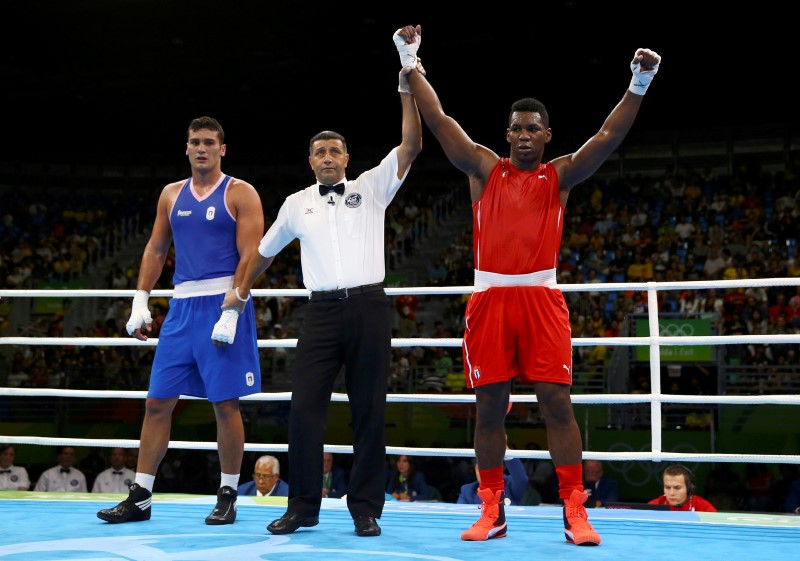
210 213
184 213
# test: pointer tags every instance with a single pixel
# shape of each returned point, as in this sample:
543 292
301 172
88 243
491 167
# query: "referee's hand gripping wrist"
404 86
234 300
239 296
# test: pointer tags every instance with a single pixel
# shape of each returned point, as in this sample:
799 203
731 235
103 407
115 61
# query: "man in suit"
600 487
334 478
266 481
515 484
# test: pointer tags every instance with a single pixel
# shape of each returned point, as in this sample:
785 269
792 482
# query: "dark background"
119 80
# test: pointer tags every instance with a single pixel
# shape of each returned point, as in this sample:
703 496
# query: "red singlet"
518 328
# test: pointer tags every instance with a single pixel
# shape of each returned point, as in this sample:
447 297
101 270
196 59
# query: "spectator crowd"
690 226
753 488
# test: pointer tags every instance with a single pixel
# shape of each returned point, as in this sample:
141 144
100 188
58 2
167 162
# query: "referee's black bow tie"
5 471
117 472
325 189
65 470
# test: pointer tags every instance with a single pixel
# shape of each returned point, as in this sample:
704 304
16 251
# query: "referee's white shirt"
113 480
341 244
54 479
16 477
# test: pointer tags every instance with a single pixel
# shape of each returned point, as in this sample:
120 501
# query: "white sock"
230 480
145 481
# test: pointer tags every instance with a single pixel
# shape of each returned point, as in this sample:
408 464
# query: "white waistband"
485 280
207 287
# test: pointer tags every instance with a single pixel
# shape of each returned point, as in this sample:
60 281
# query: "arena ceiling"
122 78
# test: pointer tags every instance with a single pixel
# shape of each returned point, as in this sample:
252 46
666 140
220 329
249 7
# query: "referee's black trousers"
354 332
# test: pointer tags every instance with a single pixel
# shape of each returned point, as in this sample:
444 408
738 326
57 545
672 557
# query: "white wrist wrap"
403 86
641 78
141 298
239 297
140 313
407 51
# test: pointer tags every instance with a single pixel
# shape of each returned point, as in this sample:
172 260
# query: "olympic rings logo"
643 473
676 330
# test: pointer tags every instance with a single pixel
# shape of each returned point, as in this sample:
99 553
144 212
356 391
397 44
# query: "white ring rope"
593 399
655 398
422 342
447 452
428 290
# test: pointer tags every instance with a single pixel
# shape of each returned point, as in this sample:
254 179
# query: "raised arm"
580 165
411 144
471 158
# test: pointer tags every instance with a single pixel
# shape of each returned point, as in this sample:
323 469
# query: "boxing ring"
410 530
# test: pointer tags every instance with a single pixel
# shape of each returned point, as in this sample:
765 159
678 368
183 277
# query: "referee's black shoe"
290 522
366 526
135 508
225 511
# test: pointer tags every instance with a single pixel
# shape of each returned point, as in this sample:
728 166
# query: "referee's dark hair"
327 135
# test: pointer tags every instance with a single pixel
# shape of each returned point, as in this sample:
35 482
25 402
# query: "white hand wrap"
140 313
408 51
404 87
641 78
225 329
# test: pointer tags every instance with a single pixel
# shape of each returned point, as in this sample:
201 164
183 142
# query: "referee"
340 225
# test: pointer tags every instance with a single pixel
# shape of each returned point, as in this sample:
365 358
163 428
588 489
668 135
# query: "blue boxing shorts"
188 363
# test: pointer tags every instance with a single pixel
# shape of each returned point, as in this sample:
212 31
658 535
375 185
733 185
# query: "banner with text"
677 328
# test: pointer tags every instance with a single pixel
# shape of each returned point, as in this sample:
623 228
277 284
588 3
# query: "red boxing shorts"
517 331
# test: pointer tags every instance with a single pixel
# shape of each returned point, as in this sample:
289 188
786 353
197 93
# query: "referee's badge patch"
353 200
